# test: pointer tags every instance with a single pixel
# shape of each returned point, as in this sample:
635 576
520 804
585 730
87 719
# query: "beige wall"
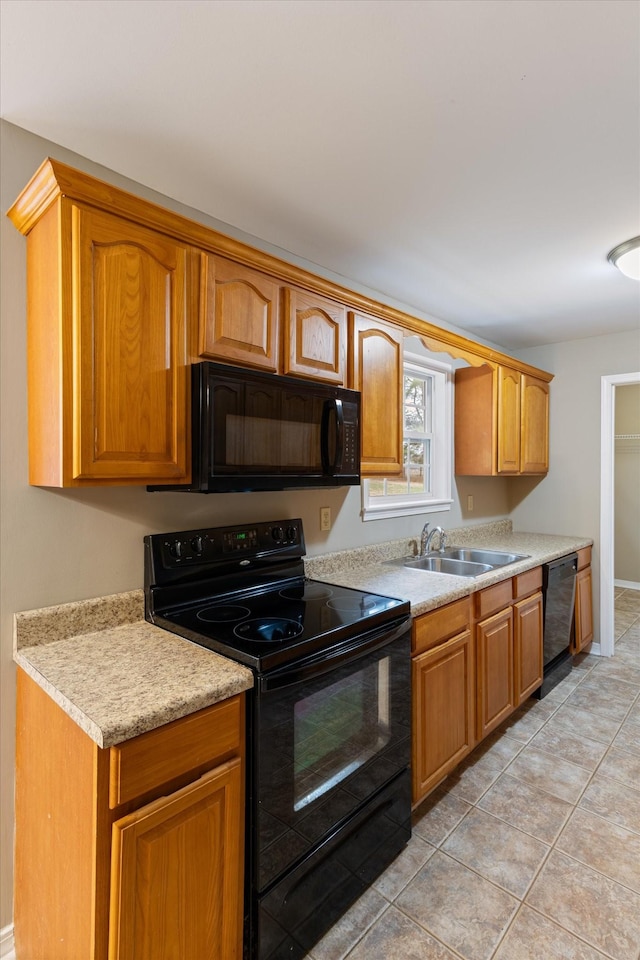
568 501
626 564
57 546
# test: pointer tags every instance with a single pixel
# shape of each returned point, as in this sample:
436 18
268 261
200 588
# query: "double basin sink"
460 561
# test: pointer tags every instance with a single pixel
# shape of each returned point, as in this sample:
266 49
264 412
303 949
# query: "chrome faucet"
427 537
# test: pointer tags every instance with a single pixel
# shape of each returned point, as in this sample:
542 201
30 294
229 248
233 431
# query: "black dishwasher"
558 590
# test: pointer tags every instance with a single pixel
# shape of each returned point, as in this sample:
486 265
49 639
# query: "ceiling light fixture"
626 257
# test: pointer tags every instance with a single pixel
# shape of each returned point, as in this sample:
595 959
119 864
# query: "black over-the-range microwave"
259 431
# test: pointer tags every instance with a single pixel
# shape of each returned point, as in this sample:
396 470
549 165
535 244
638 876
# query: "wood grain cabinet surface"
583 615
315 337
130 852
109 308
474 662
375 369
240 318
501 422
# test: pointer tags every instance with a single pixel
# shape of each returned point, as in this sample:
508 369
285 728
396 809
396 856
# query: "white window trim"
387 508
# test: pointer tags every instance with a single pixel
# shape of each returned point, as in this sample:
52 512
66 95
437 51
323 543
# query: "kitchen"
60 546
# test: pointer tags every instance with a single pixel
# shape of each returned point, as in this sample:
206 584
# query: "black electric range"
328 784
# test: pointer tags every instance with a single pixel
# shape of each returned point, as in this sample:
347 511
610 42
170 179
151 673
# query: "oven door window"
324 746
338 729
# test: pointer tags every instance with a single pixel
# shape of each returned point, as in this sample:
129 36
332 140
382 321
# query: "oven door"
327 736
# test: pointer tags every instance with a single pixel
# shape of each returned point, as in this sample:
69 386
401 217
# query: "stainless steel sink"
495 558
436 563
445 564
459 561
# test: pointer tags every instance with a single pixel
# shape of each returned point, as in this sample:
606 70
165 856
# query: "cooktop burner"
308 590
269 629
223 613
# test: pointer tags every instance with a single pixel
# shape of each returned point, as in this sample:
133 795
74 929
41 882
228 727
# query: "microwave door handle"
329 467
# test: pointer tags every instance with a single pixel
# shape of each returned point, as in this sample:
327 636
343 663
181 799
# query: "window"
425 482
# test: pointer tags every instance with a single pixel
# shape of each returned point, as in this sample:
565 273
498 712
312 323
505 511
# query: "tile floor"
530 851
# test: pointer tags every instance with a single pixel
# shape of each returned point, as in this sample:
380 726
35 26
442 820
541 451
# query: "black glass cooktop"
241 591
266 628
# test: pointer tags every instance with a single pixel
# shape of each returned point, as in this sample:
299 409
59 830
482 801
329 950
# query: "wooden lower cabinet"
474 662
494 653
130 852
443 710
175 866
528 651
583 617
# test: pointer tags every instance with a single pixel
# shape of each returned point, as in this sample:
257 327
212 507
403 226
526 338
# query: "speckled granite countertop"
115 674
118 676
365 569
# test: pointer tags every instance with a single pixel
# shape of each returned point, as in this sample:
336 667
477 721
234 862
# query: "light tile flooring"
530 851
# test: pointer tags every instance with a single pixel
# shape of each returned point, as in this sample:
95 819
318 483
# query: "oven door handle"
323 663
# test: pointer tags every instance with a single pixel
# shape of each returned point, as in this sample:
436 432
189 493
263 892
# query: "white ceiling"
474 159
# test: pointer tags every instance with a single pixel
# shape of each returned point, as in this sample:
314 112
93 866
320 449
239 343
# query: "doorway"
607 506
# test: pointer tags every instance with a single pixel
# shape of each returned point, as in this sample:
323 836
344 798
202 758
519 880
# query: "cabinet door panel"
443 685
583 610
375 355
508 420
176 882
315 337
495 670
240 315
129 351
534 425
528 646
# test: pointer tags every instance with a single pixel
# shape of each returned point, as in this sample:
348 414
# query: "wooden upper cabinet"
315 336
508 425
129 350
534 425
239 320
375 369
109 304
501 422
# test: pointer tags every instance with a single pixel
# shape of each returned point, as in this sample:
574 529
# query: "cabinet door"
315 336
239 314
176 877
508 411
527 646
131 302
494 650
375 369
534 425
443 686
583 610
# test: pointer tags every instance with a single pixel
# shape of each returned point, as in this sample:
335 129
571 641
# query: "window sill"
386 511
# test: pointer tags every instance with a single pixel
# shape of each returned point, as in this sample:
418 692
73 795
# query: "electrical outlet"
470 503
325 518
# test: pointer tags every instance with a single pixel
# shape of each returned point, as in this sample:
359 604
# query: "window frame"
389 506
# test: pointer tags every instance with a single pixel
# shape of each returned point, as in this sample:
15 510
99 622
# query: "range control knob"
196 545
278 534
292 534
175 549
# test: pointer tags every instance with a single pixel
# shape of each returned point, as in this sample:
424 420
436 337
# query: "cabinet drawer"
526 583
584 557
493 598
438 625
173 750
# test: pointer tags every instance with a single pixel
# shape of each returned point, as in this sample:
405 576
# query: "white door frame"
607 456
